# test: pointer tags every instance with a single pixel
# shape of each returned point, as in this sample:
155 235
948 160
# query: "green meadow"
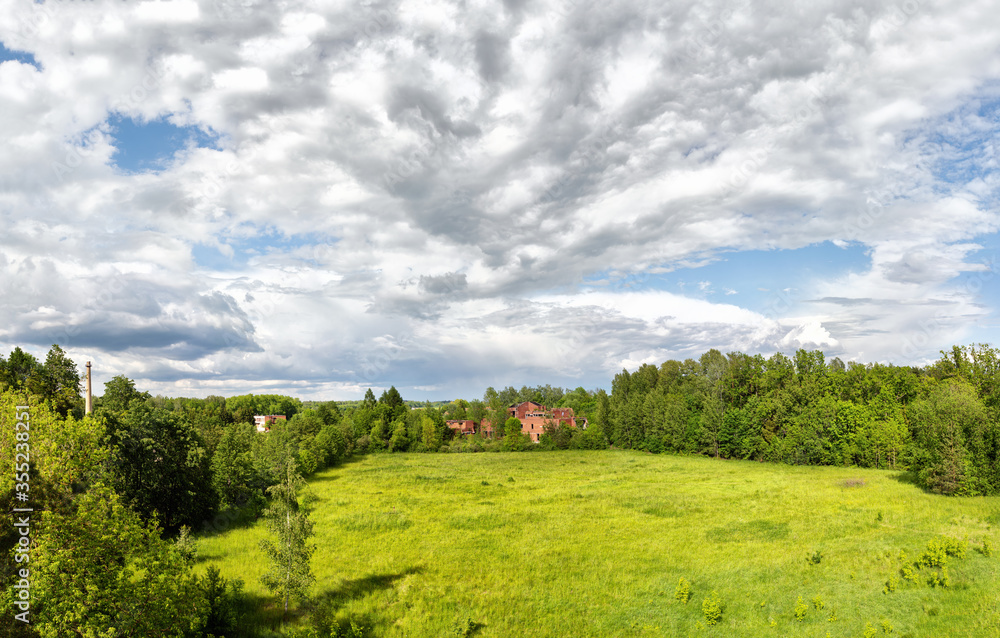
595 543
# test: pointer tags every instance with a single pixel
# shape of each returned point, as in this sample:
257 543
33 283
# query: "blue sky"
213 198
17 56
150 146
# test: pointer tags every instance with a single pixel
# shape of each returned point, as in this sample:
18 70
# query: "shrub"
712 608
908 573
683 591
939 578
185 545
800 609
986 549
818 602
939 549
870 631
815 558
225 604
463 627
890 585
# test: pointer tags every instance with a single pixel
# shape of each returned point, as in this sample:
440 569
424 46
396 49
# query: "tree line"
117 494
941 422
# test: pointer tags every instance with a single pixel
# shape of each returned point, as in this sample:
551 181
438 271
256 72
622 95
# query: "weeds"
712 608
986 549
800 609
890 585
683 591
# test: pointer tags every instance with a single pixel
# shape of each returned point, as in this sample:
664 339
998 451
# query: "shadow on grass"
909 478
225 521
234 518
326 605
263 616
361 587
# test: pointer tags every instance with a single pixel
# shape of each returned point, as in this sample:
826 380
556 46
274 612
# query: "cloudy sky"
313 197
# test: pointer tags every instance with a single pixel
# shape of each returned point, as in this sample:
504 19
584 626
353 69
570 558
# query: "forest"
115 496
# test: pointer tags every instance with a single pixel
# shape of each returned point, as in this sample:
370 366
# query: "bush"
800 609
890 585
225 604
683 591
712 609
939 578
939 549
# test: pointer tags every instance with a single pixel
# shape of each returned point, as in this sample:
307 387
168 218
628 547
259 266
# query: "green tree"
400 441
512 439
119 394
953 448
289 574
18 369
430 433
61 381
102 573
234 475
159 466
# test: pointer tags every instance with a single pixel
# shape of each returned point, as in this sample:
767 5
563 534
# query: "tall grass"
594 544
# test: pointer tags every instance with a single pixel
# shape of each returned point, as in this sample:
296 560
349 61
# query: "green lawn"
593 544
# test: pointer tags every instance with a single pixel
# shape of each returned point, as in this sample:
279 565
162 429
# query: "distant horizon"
311 200
377 390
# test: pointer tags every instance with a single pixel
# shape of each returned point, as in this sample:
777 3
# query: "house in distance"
533 417
263 422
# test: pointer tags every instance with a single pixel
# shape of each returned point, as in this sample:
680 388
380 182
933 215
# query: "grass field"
594 543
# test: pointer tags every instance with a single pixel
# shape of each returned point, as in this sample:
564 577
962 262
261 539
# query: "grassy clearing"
594 543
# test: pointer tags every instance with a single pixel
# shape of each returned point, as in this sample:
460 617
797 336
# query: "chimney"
90 400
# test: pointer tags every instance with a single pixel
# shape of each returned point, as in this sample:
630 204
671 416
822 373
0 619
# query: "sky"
317 197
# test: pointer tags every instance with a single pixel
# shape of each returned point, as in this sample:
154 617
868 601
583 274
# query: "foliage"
224 616
290 575
683 591
800 609
101 572
158 464
712 608
954 442
236 478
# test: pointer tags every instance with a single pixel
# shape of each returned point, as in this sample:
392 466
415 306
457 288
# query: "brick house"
263 422
533 417
463 426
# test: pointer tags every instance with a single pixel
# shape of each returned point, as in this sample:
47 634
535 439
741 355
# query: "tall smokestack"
90 400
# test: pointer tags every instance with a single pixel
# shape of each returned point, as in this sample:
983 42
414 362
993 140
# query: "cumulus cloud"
416 193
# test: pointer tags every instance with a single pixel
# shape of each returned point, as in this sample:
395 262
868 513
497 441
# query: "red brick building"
534 416
464 426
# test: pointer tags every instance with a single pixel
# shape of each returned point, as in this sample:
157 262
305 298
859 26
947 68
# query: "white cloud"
373 157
